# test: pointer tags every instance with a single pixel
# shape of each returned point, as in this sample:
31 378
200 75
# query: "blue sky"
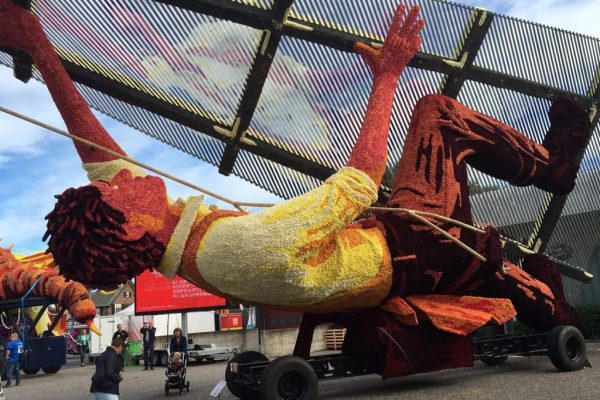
36 164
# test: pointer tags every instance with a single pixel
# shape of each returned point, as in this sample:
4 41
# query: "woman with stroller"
178 342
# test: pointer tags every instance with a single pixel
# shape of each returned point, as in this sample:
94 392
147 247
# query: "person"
123 335
108 376
309 253
13 356
83 343
176 363
120 333
178 342
148 332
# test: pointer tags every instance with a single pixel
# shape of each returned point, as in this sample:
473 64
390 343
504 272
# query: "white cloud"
578 16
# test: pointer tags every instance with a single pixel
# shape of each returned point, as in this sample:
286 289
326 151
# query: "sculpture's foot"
542 269
568 135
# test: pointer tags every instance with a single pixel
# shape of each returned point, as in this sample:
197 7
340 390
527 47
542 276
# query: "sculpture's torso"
302 252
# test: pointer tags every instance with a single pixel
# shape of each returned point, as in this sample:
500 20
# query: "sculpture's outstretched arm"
401 43
20 29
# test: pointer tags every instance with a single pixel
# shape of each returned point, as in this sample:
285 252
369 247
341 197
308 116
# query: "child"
13 355
176 364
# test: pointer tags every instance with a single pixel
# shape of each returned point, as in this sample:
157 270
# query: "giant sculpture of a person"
308 253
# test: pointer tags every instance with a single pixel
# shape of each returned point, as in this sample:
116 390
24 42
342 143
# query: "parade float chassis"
250 375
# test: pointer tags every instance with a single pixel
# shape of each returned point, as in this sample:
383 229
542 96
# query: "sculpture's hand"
17 26
400 45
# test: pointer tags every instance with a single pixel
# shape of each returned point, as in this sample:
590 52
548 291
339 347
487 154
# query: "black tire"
491 330
164 358
566 348
3 368
289 378
51 370
167 389
31 371
187 386
155 359
237 388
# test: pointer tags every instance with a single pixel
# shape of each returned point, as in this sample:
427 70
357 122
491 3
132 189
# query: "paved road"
520 378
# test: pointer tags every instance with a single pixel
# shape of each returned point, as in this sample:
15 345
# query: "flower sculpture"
18 275
401 278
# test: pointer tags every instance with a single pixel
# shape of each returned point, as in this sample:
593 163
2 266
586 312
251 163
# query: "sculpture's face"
142 200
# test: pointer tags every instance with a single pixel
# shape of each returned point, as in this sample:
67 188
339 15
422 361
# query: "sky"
36 164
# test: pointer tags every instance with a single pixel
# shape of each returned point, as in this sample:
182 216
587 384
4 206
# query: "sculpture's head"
105 233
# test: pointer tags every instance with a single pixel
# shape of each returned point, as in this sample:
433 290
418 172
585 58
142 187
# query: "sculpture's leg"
444 135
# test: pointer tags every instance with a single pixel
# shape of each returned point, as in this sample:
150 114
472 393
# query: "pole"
184 324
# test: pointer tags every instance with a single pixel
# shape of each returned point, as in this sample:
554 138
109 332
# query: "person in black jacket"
105 382
123 335
178 342
148 334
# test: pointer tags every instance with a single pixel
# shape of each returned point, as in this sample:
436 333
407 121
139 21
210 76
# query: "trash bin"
135 346
132 350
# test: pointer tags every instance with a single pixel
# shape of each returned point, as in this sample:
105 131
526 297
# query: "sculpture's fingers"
410 22
396 23
368 53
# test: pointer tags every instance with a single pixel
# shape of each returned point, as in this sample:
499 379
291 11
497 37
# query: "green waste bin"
132 350
135 346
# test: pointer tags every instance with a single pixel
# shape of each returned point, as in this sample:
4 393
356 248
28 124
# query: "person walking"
178 342
123 335
148 332
83 343
106 379
13 355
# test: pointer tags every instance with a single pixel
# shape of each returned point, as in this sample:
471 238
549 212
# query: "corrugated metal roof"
186 72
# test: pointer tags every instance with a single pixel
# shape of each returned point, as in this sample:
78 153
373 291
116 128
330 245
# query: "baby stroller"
175 375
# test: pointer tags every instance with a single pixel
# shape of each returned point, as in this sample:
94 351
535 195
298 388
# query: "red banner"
156 294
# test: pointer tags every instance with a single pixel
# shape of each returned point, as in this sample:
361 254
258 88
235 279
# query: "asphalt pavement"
519 378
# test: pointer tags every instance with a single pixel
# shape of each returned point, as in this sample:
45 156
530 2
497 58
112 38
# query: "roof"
270 90
107 298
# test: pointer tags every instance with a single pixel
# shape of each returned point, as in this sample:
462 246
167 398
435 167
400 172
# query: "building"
111 302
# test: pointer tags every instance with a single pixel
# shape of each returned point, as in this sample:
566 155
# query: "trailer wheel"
566 348
289 378
51 370
237 388
491 330
31 371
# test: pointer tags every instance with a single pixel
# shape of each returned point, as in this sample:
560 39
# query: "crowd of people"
109 366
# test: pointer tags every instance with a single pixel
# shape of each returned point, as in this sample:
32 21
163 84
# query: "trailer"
251 375
48 352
